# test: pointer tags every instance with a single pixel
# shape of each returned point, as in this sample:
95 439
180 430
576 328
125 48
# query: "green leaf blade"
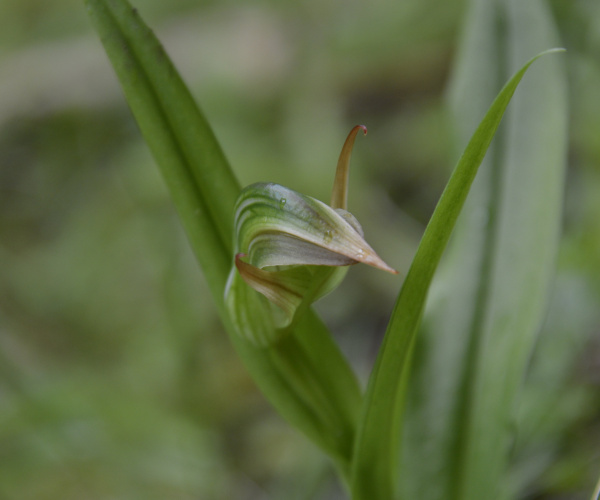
309 382
519 265
376 454
490 294
199 178
305 376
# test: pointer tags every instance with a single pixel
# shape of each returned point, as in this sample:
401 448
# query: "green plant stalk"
305 376
375 465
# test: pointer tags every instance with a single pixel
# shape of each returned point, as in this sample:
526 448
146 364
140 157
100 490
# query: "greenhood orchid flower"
290 250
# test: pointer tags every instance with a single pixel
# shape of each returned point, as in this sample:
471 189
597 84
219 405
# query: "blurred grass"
116 380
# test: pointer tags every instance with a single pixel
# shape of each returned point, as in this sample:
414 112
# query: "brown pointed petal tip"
372 259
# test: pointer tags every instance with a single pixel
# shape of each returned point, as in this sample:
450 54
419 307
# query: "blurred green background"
116 378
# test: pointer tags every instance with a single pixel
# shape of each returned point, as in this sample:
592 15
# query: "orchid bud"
290 250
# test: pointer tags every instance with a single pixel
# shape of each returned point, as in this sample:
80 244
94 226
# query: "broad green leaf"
489 297
376 454
304 376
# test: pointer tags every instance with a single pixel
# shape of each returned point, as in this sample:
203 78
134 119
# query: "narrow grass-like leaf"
376 453
192 163
304 376
489 297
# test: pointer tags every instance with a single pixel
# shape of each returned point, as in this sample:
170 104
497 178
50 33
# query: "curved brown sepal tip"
339 195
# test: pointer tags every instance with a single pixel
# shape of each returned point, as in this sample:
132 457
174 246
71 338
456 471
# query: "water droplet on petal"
360 254
282 202
328 236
